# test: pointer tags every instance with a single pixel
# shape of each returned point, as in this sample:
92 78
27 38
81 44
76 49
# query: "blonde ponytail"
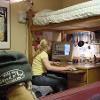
43 46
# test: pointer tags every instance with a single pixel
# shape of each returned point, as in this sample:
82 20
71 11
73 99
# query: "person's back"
38 67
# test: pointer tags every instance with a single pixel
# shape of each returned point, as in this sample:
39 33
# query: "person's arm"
50 67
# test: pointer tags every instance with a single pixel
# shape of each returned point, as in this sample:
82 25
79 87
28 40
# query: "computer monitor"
61 51
66 49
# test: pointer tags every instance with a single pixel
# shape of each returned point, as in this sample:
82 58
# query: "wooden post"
30 14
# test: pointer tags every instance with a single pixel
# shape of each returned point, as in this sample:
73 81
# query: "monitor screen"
61 51
66 49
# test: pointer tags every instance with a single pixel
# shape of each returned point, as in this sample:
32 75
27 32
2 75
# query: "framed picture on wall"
4 24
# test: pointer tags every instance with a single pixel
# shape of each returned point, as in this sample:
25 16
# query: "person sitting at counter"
40 67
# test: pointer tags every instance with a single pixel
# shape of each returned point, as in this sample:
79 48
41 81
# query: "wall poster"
4 24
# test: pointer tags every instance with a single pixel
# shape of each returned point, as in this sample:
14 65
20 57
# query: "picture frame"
4 24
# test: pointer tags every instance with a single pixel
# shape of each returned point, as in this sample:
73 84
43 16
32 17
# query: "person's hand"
70 68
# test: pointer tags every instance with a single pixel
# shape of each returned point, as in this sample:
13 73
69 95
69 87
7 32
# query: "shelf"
96 43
